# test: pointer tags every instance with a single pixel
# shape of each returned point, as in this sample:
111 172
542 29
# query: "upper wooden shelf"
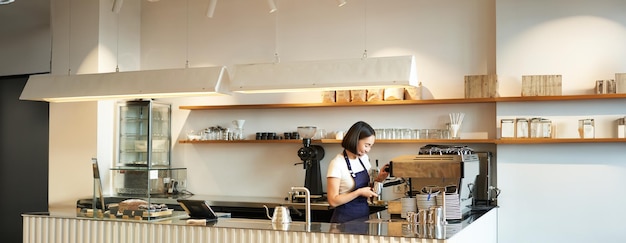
561 97
410 102
429 141
344 104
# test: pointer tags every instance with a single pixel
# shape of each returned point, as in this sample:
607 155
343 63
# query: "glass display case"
144 134
138 181
143 167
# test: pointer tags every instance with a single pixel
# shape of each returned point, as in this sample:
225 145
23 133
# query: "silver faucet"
307 195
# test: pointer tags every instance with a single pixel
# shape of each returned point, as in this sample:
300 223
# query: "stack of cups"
408 205
425 201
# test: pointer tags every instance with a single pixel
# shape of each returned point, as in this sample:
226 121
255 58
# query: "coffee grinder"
311 155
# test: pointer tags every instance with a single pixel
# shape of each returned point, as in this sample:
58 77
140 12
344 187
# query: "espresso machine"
311 155
453 174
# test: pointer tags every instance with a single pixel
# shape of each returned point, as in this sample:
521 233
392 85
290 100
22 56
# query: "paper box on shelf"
394 94
358 95
541 85
413 93
620 83
375 94
328 96
342 96
605 86
481 86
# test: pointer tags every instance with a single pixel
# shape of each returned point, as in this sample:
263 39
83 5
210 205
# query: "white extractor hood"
342 74
128 85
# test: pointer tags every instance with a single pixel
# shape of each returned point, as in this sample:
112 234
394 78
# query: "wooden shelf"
421 141
422 102
561 98
351 104
293 141
560 140
428 141
335 141
411 102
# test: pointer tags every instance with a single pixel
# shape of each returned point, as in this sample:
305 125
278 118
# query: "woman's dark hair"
356 132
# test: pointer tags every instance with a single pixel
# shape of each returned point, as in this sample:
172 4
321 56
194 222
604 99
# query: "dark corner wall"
23 157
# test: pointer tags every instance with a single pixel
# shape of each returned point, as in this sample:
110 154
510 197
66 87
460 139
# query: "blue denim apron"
358 207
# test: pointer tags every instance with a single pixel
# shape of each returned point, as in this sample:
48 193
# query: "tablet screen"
198 209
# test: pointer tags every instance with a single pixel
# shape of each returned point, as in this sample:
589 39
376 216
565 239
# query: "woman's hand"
366 192
335 199
383 173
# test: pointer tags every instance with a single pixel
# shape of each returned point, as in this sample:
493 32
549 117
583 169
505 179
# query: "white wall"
243 32
268 169
548 190
87 39
450 39
448 42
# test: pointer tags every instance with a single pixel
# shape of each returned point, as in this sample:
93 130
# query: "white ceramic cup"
239 123
339 135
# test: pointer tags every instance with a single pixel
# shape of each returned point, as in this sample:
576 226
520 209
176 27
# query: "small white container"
621 127
521 130
586 128
507 128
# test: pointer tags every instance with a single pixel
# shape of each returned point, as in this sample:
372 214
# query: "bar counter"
65 226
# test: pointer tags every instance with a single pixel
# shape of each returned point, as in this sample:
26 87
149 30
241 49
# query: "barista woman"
348 181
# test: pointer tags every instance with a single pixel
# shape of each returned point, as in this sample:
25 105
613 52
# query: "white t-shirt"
338 168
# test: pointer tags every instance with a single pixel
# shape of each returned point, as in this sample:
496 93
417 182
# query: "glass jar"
621 125
507 128
521 130
535 127
586 128
545 128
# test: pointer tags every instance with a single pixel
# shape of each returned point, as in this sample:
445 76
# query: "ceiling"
25 41
23 15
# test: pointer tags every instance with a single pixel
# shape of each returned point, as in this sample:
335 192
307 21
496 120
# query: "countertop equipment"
281 214
438 171
311 156
483 190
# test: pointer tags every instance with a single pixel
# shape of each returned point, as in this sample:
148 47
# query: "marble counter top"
379 224
228 201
